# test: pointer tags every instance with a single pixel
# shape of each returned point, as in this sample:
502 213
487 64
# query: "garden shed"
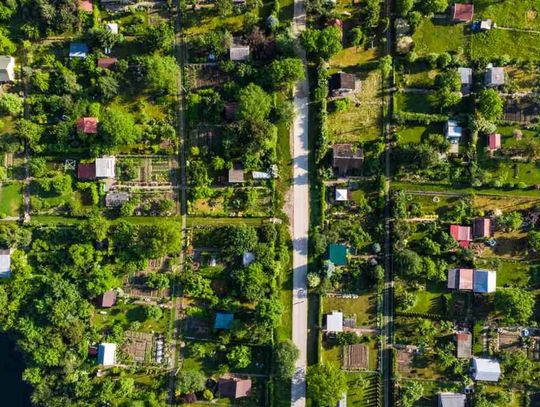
334 322
5 263
7 68
223 320
451 400
107 354
486 370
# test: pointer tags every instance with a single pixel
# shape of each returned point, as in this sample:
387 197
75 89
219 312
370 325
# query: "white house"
451 400
7 68
341 194
453 131
107 354
334 322
239 53
494 76
112 27
105 167
5 263
486 370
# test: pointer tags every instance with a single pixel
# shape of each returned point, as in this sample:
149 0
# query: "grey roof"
495 76
116 198
239 53
5 60
451 400
465 75
487 370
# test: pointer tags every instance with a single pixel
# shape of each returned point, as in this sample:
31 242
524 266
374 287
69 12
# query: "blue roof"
481 281
223 320
78 50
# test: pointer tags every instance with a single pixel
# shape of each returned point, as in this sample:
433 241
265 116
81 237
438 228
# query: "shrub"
342 104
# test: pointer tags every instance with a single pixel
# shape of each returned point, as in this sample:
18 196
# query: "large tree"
117 128
326 384
190 381
161 74
323 43
490 104
515 305
255 104
286 354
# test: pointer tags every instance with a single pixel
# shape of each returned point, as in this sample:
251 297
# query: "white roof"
451 400
486 24
239 53
466 75
487 370
343 401
5 263
105 167
495 76
248 258
260 175
7 65
334 322
107 354
453 130
112 27
341 194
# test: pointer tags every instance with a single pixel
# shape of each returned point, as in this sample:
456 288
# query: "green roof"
337 254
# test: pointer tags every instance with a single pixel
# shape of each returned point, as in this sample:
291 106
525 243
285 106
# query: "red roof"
86 171
494 141
461 233
465 279
107 299
87 125
462 12
85 5
234 388
106 63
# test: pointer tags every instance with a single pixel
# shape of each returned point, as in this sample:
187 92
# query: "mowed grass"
361 121
363 307
415 134
497 43
10 199
206 20
414 102
510 273
353 56
510 171
437 35
510 13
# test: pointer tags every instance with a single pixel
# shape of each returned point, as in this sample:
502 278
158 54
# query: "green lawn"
126 314
497 43
511 171
414 102
438 35
509 272
428 302
10 199
363 307
508 139
415 134
444 187
510 13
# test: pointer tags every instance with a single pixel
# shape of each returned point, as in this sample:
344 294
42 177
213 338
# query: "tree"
161 74
103 38
357 37
510 221
254 104
268 312
385 65
252 282
434 6
534 239
239 356
239 239
285 72
158 280
516 305
159 38
153 312
11 104
107 87
323 43
190 381
286 354
490 104
517 368
326 384
409 263
404 6
224 7
31 132
411 391
117 128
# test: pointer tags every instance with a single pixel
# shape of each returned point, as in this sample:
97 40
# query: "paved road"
388 293
300 221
